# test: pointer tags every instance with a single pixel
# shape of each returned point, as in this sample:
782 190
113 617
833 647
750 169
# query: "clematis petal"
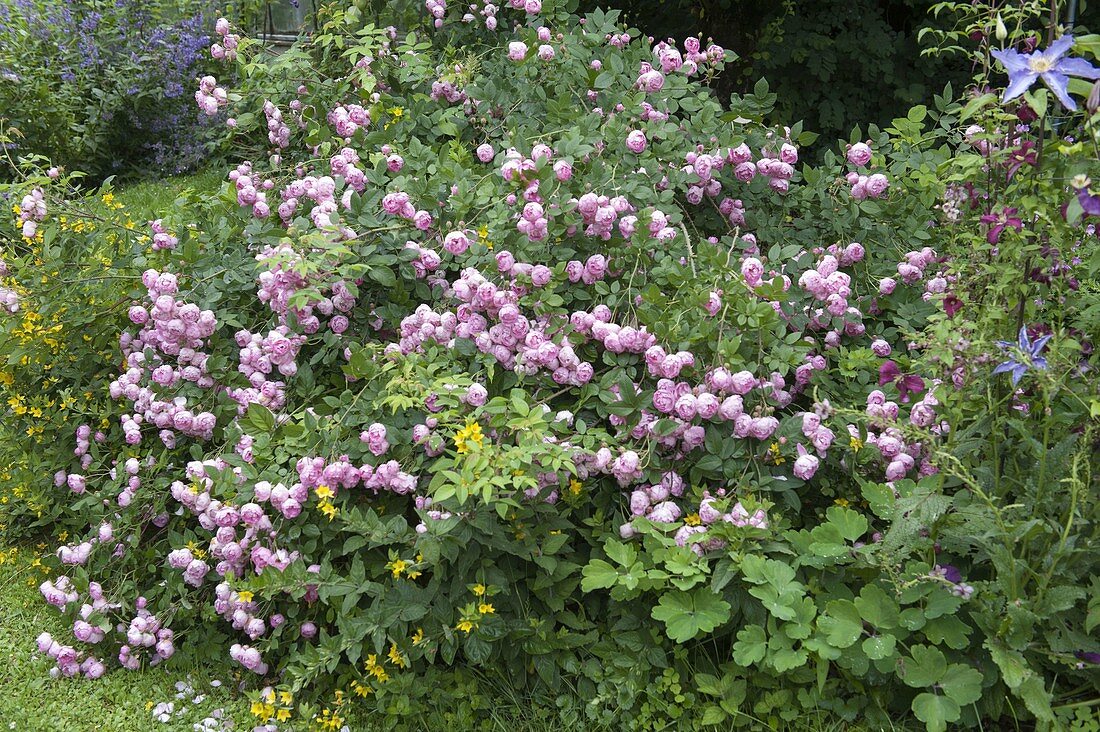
1004 367
1039 362
1057 83
1058 49
1023 340
1037 346
1078 67
1018 83
1018 373
1012 60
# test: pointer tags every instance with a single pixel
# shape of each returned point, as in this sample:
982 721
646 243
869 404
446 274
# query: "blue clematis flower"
1027 357
1050 65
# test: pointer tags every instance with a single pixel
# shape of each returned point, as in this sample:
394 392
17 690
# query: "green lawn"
30 701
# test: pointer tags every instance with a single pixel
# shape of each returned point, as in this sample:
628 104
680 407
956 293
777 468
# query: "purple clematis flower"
1049 65
998 222
889 373
1028 357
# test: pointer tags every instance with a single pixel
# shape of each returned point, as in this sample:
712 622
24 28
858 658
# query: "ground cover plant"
507 346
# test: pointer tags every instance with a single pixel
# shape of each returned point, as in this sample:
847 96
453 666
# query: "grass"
30 701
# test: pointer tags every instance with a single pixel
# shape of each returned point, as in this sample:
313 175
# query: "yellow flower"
692 519
478 590
774 455
486 608
397 566
575 486
841 501
328 509
323 491
286 697
855 443
396 657
418 637
245 596
465 626
282 715
471 433
360 689
263 711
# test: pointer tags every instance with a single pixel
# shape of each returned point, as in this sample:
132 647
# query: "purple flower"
890 373
1007 217
1049 65
1028 356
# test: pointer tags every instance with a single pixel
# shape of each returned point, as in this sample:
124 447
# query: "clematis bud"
1000 31
1093 102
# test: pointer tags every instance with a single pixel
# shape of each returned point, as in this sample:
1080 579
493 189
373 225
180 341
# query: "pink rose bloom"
859 154
517 50
485 152
635 141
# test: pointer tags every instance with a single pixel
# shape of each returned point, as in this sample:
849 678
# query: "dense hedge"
512 348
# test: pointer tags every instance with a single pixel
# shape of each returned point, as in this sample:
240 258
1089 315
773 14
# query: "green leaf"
620 553
974 105
598 575
879 647
686 614
258 420
751 646
935 711
851 524
962 683
925 667
877 608
842 623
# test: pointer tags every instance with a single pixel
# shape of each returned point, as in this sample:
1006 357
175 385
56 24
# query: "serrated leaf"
598 575
877 608
925 666
879 647
935 711
842 623
751 646
962 683
686 614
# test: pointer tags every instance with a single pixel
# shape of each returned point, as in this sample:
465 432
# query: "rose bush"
510 347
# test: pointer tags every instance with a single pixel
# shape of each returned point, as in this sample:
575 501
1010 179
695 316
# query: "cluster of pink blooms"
278 132
591 271
710 514
259 357
691 60
32 210
901 456
388 476
427 259
375 439
279 280
227 49
347 120
9 299
600 215
424 503
210 97
161 238
820 437
249 658
864 186
68 659
399 204
251 189
146 636
175 331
